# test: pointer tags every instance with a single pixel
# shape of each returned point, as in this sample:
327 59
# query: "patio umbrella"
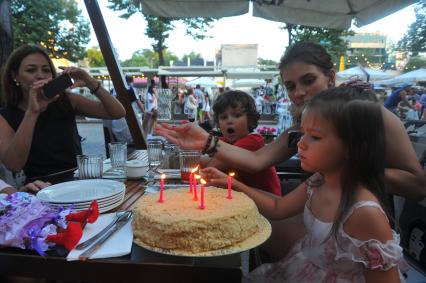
410 77
248 83
321 13
206 82
362 73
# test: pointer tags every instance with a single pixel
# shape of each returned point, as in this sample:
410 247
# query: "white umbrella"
202 81
410 78
362 73
248 83
321 13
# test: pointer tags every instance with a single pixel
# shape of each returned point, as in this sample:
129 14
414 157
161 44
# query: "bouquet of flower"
268 133
27 223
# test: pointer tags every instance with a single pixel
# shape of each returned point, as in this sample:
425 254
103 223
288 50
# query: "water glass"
118 155
155 155
89 166
188 161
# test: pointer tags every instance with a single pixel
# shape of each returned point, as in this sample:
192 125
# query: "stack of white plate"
108 193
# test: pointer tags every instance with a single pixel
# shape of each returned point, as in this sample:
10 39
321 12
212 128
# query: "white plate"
81 203
102 208
87 204
81 191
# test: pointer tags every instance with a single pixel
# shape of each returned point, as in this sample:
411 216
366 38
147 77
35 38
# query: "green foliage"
267 63
332 39
414 39
158 28
95 57
148 58
192 56
414 63
58 26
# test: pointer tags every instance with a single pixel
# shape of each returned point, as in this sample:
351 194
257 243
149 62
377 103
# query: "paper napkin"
119 244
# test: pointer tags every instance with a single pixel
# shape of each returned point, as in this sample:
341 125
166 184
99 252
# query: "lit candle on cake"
230 175
191 178
162 177
196 177
202 194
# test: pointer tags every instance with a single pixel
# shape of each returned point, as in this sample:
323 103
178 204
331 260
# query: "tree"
147 57
414 63
332 39
158 28
58 26
267 64
414 40
95 57
193 56
6 40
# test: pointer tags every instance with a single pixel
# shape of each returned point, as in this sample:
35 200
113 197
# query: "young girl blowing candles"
348 238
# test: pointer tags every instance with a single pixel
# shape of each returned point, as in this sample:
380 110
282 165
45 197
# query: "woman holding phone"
38 132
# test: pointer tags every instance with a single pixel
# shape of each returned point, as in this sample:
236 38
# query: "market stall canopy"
206 82
320 13
248 83
362 73
411 78
240 74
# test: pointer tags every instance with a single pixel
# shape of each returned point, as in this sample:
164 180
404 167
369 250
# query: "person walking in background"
199 95
397 96
191 105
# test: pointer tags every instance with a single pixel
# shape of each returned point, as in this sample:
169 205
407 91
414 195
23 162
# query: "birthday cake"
179 225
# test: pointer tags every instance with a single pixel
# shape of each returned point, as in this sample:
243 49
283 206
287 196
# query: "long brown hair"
11 92
357 119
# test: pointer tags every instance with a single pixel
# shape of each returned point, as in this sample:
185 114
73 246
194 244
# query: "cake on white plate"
179 226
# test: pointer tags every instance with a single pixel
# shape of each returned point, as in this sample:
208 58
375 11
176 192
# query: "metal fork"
119 215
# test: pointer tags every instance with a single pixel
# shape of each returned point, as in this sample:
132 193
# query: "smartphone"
57 85
293 138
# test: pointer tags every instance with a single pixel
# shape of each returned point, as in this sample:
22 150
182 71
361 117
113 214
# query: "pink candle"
230 175
202 194
194 187
191 178
162 177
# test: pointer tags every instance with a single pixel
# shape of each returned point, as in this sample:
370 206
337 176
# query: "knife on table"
90 241
120 223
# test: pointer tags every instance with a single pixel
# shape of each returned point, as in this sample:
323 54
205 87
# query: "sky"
128 36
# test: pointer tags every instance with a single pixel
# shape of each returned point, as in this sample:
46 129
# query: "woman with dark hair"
39 134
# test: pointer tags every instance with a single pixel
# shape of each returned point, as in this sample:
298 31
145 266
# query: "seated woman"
39 134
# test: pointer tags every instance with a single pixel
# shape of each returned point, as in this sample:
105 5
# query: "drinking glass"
155 155
118 155
89 166
188 161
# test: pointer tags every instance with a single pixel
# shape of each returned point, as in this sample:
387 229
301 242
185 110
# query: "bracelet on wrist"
212 151
93 91
208 143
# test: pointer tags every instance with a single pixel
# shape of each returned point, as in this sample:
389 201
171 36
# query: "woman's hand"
37 101
34 187
214 177
81 77
187 136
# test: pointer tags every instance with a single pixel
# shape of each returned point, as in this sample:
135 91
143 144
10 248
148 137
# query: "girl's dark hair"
309 53
11 93
151 89
234 99
357 119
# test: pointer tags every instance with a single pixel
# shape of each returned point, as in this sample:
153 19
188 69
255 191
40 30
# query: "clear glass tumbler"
155 156
118 155
188 161
89 166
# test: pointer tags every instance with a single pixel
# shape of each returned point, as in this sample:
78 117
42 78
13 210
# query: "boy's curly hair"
237 99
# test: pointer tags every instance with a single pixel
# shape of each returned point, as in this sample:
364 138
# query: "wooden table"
140 266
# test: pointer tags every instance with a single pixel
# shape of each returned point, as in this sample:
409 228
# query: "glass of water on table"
155 156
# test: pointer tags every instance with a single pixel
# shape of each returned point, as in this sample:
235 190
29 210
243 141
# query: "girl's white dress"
342 261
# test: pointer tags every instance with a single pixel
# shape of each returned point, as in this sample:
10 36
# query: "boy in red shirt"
235 114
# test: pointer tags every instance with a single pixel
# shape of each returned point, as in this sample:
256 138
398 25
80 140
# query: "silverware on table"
88 242
117 226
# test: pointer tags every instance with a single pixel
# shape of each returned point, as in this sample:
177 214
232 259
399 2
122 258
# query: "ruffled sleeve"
372 253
